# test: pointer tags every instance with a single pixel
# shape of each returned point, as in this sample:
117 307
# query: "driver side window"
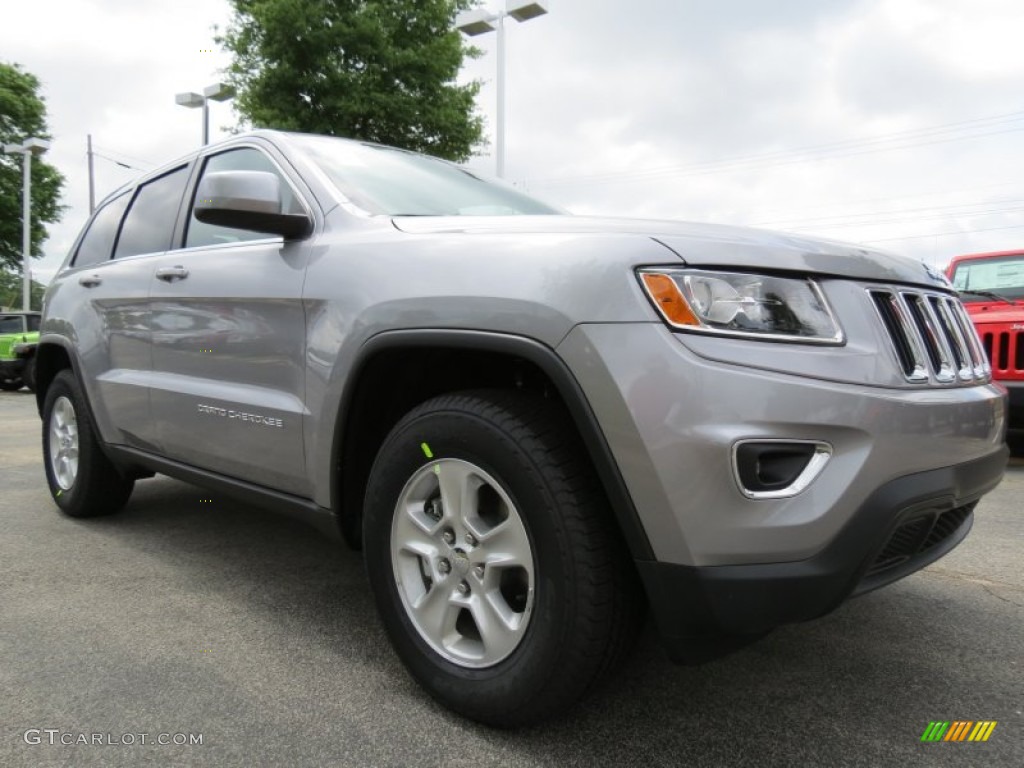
244 159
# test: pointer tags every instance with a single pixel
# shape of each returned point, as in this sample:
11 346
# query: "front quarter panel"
365 279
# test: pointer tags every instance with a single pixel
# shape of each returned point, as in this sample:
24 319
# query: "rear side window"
244 159
149 225
33 323
99 239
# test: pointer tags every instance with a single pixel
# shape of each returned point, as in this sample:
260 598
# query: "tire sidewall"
458 435
64 385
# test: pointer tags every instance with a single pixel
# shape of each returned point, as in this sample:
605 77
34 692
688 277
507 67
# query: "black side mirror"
249 200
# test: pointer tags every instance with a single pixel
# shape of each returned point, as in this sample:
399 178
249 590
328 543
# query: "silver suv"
536 426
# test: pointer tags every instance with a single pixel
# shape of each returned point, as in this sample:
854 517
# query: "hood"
706 245
996 312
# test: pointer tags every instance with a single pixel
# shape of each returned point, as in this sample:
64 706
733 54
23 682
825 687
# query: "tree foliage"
11 287
378 70
23 114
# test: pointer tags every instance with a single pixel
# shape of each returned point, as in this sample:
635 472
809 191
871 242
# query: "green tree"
378 70
23 114
11 287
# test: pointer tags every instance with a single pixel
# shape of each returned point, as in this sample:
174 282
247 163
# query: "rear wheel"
82 480
10 385
493 557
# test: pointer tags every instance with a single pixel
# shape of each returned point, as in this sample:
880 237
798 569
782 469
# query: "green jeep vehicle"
19 336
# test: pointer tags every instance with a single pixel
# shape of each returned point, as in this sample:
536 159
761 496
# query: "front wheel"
82 480
493 557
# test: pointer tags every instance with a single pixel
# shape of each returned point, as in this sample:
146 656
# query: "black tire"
28 376
10 385
1016 444
97 488
587 605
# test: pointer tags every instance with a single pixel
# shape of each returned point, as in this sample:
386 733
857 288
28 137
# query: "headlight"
741 304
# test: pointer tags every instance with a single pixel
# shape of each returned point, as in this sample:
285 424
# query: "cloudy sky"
898 123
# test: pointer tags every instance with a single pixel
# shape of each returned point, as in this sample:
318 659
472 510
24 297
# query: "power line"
944 234
820 151
842 217
886 199
127 156
905 219
116 162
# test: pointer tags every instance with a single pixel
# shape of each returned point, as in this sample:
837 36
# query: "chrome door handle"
170 274
90 281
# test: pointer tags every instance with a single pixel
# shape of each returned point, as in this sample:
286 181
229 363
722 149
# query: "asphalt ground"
191 614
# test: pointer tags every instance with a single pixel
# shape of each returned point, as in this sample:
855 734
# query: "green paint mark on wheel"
59 493
426 450
437 469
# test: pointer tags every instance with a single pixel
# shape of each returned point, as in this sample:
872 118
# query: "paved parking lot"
185 616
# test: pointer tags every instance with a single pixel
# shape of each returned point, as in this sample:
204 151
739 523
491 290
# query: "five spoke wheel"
463 563
64 443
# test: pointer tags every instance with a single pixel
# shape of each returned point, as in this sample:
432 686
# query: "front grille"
1005 350
931 336
917 536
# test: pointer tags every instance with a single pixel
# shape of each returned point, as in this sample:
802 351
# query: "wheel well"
51 359
396 380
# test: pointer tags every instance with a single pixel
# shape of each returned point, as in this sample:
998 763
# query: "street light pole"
500 162
481 21
31 146
217 92
26 234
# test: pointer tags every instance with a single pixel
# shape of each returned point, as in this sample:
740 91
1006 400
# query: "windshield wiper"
991 295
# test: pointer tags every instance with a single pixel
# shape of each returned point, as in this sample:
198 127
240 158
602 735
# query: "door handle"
90 281
170 274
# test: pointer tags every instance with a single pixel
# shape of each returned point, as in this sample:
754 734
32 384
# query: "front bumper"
673 418
902 527
906 468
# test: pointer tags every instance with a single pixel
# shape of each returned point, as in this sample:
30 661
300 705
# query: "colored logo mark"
958 730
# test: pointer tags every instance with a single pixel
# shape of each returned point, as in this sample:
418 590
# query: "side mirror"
249 200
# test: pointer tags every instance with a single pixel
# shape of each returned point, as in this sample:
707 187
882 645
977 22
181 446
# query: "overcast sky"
898 123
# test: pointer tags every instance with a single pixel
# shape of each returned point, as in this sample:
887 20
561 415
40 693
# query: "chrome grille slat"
982 369
939 354
960 346
931 335
906 343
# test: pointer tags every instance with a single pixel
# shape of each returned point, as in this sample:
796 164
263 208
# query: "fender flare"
548 361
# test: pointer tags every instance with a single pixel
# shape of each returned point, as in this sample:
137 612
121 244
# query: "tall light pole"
481 21
31 146
217 92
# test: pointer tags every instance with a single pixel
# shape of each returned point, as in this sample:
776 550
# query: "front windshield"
394 182
1003 275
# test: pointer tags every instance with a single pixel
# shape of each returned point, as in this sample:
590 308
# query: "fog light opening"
776 469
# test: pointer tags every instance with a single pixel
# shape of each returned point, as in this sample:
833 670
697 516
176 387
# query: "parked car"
534 425
19 334
991 286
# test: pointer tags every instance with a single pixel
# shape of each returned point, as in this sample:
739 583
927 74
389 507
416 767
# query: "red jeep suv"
992 288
